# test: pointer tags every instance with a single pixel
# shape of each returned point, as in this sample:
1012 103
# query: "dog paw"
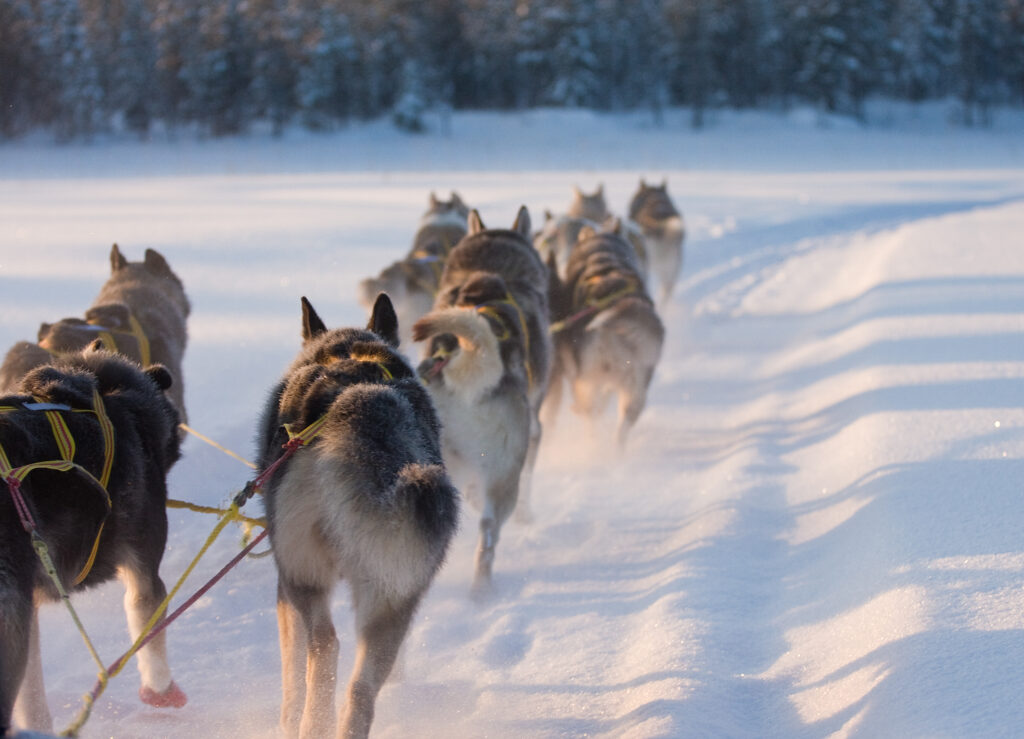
173 697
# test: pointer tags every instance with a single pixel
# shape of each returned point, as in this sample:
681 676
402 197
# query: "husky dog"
487 367
662 225
369 500
140 312
71 509
607 335
560 234
557 238
411 282
591 207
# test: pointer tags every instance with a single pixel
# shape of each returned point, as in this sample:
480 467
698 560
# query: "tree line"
82 67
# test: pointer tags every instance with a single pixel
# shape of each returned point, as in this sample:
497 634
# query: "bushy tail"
474 365
427 493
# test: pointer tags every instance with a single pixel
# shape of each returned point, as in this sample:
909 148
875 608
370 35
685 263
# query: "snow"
816 530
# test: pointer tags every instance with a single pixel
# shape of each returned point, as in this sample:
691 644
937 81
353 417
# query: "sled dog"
368 500
411 282
607 335
486 365
113 421
560 234
140 312
663 227
592 207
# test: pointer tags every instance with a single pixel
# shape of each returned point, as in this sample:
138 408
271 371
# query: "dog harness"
593 306
491 309
14 476
106 335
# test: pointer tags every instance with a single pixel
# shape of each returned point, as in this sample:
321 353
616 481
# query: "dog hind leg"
21 662
313 605
381 634
144 592
522 511
293 642
500 500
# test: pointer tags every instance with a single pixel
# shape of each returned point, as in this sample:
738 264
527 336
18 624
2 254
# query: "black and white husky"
608 337
368 500
487 365
69 508
412 281
662 225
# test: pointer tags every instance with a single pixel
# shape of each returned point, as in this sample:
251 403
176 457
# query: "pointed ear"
600 189
548 215
383 320
576 192
664 183
522 224
44 329
474 225
95 346
160 375
612 225
433 200
643 184
457 201
117 260
312 326
156 263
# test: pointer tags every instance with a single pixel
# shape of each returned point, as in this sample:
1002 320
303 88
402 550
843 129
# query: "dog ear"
156 263
664 183
612 225
311 324
522 223
433 199
548 215
600 189
383 320
44 330
160 375
474 224
117 260
457 201
576 192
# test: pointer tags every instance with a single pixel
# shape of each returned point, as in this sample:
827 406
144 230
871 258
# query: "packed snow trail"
815 530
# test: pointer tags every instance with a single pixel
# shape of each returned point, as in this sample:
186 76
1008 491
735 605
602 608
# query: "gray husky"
73 511
368 500
487 365
411 282
591 207
140 312
662 225
560 234
608 337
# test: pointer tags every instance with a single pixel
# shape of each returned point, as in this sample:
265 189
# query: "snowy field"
818 528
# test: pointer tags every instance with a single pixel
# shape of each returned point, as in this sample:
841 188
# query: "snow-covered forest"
79 68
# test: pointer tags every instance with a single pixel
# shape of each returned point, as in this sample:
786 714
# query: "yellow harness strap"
110 344
492 311
66 448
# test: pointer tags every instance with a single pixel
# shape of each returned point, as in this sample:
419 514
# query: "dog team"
91 415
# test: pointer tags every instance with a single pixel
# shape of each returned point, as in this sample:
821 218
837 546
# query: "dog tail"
427 494
475 365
